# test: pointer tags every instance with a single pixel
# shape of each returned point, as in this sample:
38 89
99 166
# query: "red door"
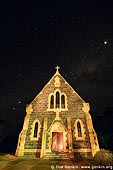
57 141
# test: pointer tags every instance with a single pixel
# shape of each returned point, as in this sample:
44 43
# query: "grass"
6 157
10 162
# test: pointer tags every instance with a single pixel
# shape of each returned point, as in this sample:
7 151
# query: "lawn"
10 162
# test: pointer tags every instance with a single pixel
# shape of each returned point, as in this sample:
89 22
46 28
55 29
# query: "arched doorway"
58 137
57 142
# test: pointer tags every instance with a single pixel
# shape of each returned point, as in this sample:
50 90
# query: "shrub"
104 157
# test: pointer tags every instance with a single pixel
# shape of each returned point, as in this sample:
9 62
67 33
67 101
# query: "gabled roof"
53 77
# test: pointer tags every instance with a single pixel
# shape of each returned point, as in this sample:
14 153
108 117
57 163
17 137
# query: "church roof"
57 73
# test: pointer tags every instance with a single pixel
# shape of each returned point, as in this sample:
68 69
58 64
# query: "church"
57 124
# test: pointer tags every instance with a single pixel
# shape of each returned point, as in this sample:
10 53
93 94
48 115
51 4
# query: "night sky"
36 36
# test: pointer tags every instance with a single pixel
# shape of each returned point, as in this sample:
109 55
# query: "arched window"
35 130
52 102
79 129
57 100
62 101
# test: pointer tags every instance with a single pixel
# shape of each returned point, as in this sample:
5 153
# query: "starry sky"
36 36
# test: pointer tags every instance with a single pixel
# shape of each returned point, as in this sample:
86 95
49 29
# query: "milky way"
37 36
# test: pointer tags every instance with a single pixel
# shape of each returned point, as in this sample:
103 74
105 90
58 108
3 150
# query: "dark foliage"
104 127
104 157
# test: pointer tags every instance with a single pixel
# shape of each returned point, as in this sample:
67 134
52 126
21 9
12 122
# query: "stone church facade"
57 124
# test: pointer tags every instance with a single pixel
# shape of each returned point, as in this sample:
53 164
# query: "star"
75 77
13 108
36 28
20 75
17 32
105 42
82 60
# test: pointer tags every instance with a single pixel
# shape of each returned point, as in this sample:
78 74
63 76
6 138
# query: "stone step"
56 155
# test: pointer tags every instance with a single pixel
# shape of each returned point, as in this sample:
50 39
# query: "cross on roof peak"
57 69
